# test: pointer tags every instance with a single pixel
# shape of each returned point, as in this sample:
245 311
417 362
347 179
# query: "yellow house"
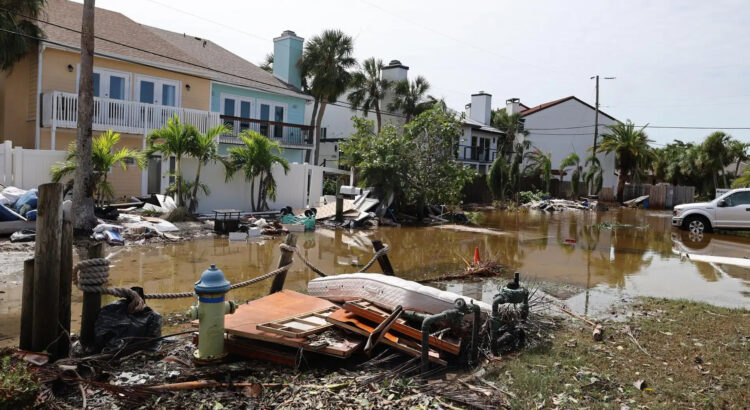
142 76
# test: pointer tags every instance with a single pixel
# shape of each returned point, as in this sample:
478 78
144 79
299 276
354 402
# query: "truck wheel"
697 224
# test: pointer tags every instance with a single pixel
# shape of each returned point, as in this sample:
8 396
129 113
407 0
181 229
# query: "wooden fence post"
285 259
66 288
47 267
27 305
383 261
92 303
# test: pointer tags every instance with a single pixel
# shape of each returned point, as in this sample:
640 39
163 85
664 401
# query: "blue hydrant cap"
212 281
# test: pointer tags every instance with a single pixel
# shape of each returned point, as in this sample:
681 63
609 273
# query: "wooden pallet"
372 313
302 325
349 321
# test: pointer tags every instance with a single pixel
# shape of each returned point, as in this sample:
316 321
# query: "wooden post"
92 303
339 208
285 259
47 267
383 261
66 288
27 305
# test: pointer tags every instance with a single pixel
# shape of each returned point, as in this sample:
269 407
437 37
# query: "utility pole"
596 109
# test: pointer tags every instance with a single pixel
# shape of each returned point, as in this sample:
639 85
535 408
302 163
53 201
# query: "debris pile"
559 205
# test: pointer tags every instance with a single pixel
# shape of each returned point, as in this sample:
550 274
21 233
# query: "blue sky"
677 63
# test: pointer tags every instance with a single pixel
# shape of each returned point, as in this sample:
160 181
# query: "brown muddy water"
596 266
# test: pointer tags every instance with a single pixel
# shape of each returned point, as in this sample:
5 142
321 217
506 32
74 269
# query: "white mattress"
387 292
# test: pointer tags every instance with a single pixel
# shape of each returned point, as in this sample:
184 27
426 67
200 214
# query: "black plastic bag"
115 328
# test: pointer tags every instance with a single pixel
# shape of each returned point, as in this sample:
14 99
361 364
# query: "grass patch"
690 355
18 385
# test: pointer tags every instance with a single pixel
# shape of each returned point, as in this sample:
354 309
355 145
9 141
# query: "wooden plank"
251 349
349 321
286 303
329 210
400 326
288 326
66 288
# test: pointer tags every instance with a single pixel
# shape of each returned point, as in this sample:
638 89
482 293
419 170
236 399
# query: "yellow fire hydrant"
211 290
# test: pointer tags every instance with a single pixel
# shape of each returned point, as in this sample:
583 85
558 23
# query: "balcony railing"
478 154
286 134
60 110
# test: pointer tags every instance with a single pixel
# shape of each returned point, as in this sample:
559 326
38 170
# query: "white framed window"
238 106
157 91
109 83
275 112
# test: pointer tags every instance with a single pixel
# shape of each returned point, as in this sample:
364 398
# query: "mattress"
387 292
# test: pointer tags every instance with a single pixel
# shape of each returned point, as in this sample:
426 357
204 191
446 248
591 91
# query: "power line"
681 127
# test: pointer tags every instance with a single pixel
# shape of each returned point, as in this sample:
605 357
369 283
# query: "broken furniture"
226 220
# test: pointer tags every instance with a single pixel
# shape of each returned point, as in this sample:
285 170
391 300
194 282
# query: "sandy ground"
12 256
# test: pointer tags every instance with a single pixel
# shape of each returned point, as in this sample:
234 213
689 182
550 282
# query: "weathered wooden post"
383 261
66 288
339 208
27 305
92 303
47 267
285 259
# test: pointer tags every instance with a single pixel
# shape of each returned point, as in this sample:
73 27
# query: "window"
146 92
278 130
237 106
109 84
244 113
157 91
739 198
264 115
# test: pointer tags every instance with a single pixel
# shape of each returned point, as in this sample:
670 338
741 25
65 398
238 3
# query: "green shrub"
18 385
530 196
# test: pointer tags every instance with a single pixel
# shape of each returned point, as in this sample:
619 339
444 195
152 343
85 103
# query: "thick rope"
315 269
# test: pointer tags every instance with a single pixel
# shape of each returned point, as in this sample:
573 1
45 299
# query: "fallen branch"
202 384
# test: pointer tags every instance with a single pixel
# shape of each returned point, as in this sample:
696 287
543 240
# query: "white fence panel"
27 168
6 163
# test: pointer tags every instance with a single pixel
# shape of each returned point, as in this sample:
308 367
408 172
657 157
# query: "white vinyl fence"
26 168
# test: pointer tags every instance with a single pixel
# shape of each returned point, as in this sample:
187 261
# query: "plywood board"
300 325
280 305
349 321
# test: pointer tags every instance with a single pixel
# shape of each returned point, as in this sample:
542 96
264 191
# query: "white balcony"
60 110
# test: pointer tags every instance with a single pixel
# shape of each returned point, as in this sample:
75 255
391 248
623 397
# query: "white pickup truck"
730 210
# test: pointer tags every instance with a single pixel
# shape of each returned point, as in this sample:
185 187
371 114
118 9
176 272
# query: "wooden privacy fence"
661 196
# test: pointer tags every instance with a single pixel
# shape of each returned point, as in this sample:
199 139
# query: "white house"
564 126
478 145
337 124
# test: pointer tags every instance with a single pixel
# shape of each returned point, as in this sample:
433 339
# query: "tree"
410 98
174 139
267 63
417 163
717 155
82 207
256 160
324 64
572 160
18 18
511 125
737 151
368 88
630 147
593 175
104 157
539 163
204 150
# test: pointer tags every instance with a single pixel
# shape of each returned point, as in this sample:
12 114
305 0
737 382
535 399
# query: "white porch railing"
60 110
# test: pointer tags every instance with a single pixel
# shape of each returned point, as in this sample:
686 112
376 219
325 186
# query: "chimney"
513 106
481 104
393 72
287 50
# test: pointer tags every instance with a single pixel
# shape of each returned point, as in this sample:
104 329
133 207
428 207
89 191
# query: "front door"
154 175
736 212
111 85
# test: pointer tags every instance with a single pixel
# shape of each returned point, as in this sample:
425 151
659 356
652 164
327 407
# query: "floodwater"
567 248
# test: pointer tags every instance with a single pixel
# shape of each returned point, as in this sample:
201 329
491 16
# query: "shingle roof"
562 100
178 52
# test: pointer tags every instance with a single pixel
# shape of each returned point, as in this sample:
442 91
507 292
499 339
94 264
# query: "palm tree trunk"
724 175
84 219
321 112
261 192
377 114
252 194
737 168
620 185
178 181
313 122
194 198
716 180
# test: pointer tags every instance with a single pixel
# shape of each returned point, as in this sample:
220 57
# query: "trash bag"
115 328
27 201
24 235
109 213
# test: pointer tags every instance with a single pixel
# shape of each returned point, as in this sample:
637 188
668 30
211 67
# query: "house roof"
544 106
482 127
153 46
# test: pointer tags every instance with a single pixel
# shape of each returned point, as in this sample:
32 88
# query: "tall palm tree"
256 160
104 157
572 160
717 155
267 63
511 125
411 99
368 88
630 147
174 139
204 150
737 151
539 163
18 19
325 62
593 175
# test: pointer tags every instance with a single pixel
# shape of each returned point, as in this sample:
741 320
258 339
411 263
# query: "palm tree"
267 63
715 147
593 175
204 150
324 64
409 98
369 88
572 160
511 125
737 151
103 157
630 146
13 46
174 139
256 160
539 163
